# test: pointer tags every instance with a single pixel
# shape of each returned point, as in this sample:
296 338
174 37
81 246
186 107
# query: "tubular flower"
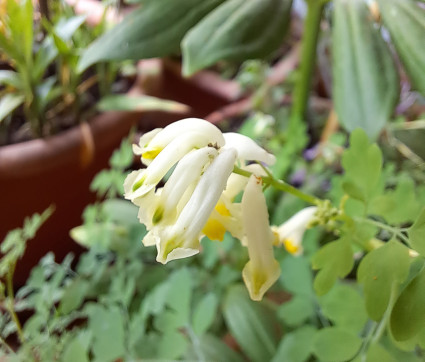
262 270
290 233
194 201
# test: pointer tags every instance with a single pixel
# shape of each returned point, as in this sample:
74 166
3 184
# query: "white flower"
262 270
290 233
198 199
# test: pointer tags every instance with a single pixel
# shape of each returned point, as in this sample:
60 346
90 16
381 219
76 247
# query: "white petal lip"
184 126
262 270
196 212
297 223
247 149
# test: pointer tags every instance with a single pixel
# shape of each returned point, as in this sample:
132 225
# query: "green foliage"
249 324
381 272
408 314
365 87
153 30
405 20
335 344
417 234
236 30
334 260
362 163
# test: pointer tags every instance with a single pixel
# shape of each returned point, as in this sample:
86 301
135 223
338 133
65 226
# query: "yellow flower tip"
291 247
152 153
258 281
222 209
214 230
158 215
139 183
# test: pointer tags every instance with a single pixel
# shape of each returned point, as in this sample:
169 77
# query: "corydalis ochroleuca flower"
198 198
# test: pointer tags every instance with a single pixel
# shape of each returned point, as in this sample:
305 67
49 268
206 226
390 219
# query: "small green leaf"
405 20
334 260
153 30
344 306
399 205
172 345
107 326
417 233
381 272
296 276
75 351
213 349
296 346
249 324
362 163
8 103
143 103
73 296
11 78
335 344
236 30
378 353
204 314
365 89
296 311
408 314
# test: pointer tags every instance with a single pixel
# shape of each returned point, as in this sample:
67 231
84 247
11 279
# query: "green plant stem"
11 300
4 343
394 231
308 59
281 186
196 344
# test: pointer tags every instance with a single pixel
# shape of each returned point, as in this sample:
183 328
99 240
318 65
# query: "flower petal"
262 270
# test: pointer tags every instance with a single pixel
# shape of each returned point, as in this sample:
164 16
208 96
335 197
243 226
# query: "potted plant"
53 141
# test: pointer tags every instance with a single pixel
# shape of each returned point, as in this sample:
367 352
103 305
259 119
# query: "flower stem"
393 230
282 186
10 302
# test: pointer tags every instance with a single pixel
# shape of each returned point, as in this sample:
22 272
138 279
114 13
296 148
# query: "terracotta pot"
56 170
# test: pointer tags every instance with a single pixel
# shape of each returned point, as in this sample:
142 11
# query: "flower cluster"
198 197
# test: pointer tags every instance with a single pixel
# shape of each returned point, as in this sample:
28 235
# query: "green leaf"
417 234
204 314
75 351
405 20
249 324
344 307
365 89
236 30
408 314
296 311
378 353
121 102
334 260
335 344
107 326
296 276
153 30
172 345
213 349
73 296
381 272
296 346
397 206
362 163
8 103
11 78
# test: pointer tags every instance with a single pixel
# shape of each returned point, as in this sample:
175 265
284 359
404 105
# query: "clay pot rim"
74 145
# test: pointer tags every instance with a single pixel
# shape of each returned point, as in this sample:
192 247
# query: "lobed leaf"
362 163
381 272
334 260
408 314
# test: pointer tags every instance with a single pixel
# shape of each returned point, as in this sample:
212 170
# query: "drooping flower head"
198 198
